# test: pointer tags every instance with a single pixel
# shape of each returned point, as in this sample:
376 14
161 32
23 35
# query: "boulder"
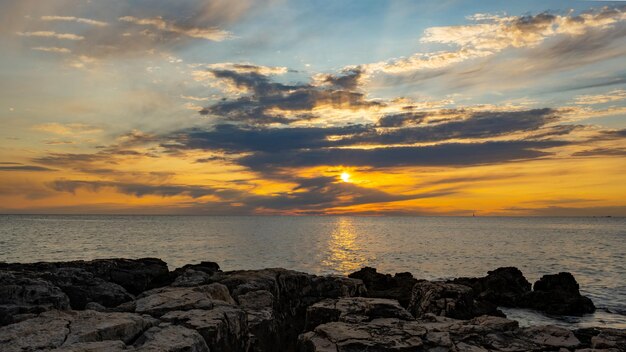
502 287
559 295
171 338
83 287
101 346
379 285
22 297
160 301
352 310
190 278
224 328
447 299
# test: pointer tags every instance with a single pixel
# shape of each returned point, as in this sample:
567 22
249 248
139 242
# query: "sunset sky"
313 107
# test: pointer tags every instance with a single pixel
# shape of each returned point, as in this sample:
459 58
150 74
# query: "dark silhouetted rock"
503 286
83 287
134 275
22 297
379 285
558 294
449 300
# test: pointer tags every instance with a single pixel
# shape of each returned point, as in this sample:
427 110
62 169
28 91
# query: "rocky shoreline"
140 305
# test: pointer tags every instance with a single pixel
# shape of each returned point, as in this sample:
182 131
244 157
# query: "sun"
345 177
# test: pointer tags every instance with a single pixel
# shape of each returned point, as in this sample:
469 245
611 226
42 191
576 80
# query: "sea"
592 249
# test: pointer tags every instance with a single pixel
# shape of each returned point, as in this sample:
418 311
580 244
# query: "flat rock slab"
354 309
55 329
171 338
160 301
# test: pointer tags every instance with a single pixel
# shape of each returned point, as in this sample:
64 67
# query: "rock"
22 296
134 275
377 335
502 287
160 301
447 299
101 346
224 328
353 310
209 268
83 287
54 329
92 326
41 333
551 336
379 285
171 338
96 306
190 278
559 295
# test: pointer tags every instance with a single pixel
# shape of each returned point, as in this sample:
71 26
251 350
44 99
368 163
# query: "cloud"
449 154
135 189
491 34
19 167
52 49
602 152
67 129
615 95
75 19
212 33
272 102
51 34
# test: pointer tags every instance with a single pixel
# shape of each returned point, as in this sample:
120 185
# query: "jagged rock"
171 338
381 335
190 278
551 336
379 285
101 346
206 267
224 328
558 294
160 301
262 324
353 310
447 299
21 297
134 275
83 287
54 329
92 326
503 286
47 331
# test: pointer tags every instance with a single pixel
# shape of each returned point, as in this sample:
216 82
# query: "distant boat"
474 214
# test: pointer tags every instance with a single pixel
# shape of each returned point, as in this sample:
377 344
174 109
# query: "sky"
266 107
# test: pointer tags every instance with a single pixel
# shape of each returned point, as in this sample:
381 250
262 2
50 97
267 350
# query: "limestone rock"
21 295
224 328
171 338
160 301
503 286
559 295
447 299
353 310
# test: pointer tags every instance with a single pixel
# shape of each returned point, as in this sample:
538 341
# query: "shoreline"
140 305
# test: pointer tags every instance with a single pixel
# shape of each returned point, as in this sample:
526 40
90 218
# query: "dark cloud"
295 102
477 125
401 119
450 154
20 167
233 139
349 79
136 189
602 152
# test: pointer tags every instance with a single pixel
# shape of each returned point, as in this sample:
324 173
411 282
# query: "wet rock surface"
138 305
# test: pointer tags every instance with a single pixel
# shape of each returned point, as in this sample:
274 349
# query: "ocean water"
592 249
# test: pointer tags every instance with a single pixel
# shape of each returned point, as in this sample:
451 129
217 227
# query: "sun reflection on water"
344 253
